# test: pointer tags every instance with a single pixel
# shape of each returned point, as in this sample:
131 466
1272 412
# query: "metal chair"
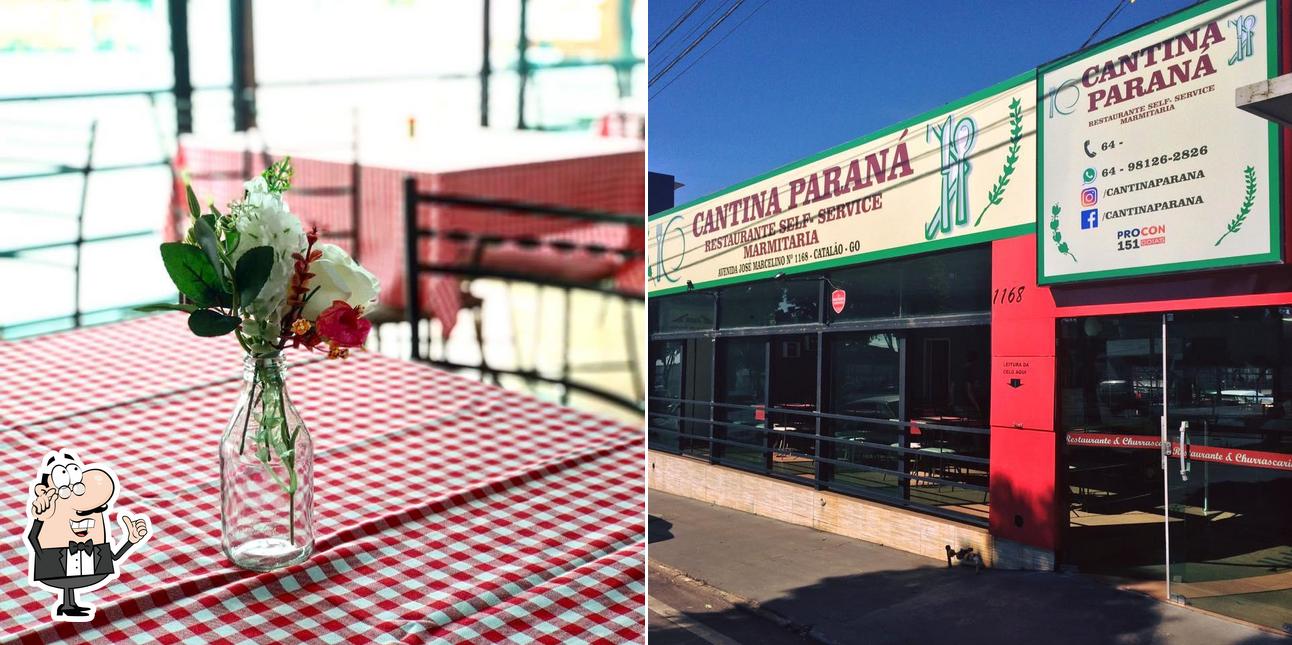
511 259
352 190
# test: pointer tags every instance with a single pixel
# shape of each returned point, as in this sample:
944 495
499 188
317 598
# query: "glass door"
1229 476
1110 413
1178 432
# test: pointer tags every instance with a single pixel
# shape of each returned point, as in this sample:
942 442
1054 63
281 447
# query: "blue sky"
801 76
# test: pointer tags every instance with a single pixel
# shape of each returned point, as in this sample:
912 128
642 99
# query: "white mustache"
82 525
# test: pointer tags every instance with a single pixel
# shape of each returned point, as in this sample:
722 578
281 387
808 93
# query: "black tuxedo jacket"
52 563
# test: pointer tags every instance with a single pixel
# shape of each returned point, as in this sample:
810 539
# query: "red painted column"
1024 455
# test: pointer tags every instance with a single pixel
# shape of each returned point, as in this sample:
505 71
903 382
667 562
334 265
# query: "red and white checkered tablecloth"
446 510
604 182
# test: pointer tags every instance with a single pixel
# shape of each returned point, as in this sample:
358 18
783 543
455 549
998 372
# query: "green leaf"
996 195
192 273
252 271
168 306
207 323
231 239
204 235
193 207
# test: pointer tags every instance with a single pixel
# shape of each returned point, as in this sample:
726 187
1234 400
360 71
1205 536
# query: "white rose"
263 219
338 277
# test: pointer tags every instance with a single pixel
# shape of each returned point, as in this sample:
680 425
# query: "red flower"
343 325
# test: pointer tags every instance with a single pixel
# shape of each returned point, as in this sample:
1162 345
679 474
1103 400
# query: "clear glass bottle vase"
266 474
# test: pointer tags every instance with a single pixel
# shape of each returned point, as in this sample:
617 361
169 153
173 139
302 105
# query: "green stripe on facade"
884 254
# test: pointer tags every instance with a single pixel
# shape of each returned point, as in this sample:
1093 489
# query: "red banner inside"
1214 454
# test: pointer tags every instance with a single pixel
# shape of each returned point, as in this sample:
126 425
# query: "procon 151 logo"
663 267
1141 236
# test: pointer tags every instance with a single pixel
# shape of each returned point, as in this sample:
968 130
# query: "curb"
745 604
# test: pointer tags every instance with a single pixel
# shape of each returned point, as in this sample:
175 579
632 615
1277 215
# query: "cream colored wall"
826 511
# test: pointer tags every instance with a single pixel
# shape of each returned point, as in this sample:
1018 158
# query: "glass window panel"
864 371
948 373
773 302
792 393
684 312
697 386
1110 374
872 291
920 465
945 283
956 281
742 369
666 370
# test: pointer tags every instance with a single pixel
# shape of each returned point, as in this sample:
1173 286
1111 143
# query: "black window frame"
825 457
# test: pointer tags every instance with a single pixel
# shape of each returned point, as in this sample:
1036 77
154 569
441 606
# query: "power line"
673 27
1121 4
695 43
667 53
711 48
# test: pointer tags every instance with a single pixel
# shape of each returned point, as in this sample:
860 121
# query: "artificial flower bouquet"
253 271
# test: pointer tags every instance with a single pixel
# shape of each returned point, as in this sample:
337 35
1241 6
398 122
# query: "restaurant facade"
1051 321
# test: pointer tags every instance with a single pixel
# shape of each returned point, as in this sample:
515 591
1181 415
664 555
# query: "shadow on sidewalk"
936 604
849 591
658 529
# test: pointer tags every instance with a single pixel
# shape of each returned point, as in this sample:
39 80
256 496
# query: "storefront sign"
1147 165
959 175
1213 454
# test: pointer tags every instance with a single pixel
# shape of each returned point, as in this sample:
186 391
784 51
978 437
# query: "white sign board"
1147 165
961 174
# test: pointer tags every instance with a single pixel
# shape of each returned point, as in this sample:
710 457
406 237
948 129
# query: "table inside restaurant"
445 509
562 169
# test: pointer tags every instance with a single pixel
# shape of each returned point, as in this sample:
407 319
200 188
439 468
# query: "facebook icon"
1090 218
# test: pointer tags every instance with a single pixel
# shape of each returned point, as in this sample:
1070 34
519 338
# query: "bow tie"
86 546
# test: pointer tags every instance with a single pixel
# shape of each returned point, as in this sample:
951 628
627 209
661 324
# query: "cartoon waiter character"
69 531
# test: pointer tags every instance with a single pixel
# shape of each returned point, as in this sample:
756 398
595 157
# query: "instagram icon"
1089 196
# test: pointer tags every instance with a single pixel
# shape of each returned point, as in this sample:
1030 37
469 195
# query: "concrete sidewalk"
849 591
